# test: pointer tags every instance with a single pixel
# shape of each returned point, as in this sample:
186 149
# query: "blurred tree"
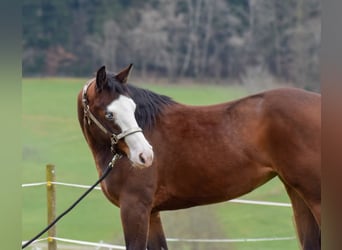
285 38
201 39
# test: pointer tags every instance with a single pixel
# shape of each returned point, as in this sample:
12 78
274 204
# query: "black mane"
149 104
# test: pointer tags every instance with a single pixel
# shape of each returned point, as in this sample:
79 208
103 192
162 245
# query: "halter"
89 117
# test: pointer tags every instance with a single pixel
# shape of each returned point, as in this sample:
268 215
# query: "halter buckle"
115 158
114 139
86 114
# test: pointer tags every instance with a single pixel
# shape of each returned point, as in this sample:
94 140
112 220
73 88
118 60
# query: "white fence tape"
74 185
33 184
111 246
87 243
58 183
265 203
229 240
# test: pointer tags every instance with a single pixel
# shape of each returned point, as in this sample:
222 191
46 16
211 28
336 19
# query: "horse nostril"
142 158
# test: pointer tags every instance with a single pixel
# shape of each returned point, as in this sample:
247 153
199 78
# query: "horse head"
107 104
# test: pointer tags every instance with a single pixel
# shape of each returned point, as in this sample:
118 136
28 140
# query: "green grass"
51 134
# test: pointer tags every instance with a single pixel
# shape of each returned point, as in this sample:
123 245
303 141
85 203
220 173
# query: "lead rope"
106 172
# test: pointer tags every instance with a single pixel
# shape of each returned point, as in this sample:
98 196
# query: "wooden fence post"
51 204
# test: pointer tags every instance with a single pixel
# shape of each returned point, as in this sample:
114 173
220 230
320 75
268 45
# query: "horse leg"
307 227
135 218
156 238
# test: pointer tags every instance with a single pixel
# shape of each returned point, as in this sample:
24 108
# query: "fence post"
51 204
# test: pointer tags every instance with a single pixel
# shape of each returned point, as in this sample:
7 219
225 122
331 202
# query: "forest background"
220 41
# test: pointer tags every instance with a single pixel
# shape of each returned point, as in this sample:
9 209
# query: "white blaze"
140 151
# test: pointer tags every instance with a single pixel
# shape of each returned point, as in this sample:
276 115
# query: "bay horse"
177 156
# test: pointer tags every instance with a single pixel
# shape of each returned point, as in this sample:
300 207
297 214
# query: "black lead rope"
106 172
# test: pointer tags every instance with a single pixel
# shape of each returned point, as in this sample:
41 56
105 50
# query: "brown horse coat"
209 154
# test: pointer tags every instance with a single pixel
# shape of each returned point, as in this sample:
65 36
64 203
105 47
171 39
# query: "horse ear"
123 74
101 78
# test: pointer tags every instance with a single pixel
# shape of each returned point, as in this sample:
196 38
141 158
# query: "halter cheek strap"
89 117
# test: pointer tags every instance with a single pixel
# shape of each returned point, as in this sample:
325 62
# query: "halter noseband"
88 116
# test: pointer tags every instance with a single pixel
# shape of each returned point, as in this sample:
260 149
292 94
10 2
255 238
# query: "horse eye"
109 116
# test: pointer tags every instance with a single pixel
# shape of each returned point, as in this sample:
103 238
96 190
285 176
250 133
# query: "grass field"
51 134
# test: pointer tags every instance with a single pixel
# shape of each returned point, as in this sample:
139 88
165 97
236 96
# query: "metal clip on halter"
86 114
115 158
114 139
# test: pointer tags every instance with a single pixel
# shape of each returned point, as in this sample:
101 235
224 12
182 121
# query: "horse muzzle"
143 159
